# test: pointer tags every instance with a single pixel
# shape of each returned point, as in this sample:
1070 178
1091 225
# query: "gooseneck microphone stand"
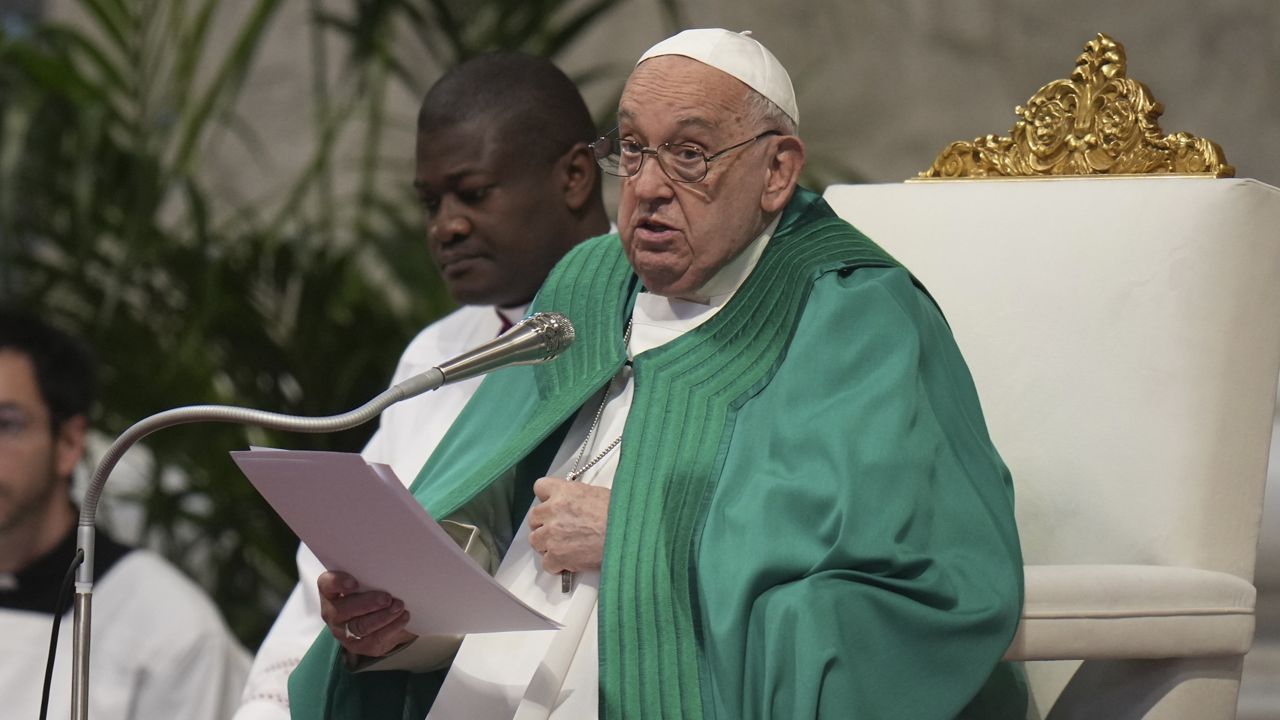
538 338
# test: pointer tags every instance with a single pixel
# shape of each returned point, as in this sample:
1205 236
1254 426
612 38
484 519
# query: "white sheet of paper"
360 519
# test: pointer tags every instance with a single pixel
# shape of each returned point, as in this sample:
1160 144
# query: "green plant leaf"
226 81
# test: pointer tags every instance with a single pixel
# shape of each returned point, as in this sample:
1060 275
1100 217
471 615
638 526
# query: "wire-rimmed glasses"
682 163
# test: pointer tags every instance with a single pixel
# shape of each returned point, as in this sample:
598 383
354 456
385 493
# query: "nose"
449 224
651 184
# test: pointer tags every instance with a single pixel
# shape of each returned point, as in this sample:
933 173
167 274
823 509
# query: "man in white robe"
508 185
160 648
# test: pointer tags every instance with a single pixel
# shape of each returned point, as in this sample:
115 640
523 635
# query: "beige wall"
882 85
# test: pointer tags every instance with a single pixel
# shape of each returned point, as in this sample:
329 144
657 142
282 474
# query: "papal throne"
1118 301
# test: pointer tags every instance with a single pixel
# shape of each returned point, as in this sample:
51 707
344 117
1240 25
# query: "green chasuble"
808 518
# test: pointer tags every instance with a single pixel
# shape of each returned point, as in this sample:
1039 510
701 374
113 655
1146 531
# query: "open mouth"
653 229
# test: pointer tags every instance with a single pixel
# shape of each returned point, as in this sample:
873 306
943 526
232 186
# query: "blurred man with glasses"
764 484
160 648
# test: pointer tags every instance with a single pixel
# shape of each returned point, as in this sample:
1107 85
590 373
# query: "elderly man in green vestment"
759 485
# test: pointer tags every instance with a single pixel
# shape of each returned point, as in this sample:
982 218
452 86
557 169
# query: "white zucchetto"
737 54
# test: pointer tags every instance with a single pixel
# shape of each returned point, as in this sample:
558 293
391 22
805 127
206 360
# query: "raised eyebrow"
695 121
693 133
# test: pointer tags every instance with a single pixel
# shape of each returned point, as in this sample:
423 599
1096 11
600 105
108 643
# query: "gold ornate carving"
1100 122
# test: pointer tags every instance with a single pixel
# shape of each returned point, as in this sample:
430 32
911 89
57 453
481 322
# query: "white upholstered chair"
1124 336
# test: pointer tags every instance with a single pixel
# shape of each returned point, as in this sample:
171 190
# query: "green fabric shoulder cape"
808 518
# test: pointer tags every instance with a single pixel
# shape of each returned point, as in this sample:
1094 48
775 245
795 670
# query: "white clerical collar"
657 320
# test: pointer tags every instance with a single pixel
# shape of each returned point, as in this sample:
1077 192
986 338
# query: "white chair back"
1124 336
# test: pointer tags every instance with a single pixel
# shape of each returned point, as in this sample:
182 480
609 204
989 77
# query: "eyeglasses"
681 163
14 424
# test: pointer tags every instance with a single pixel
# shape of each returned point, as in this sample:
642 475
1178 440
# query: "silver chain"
578 468
566 577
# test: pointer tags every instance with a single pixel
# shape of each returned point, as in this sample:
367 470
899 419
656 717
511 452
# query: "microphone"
536 339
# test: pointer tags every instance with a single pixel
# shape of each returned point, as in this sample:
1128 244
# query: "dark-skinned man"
508 185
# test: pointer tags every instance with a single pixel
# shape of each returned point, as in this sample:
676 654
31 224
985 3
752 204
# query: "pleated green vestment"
808 518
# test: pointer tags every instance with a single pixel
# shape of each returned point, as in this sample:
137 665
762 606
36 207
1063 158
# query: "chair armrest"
1086 612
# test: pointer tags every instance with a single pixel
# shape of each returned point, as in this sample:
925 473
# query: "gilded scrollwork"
1098 122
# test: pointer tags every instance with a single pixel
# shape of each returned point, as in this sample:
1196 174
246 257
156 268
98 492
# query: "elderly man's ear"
578 173
783 172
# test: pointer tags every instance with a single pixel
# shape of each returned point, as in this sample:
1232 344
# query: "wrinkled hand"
375 616
568 525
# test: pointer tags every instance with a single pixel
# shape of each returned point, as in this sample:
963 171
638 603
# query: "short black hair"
525 95
64 366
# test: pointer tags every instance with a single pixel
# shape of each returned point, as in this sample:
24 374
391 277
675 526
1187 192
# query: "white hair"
764 113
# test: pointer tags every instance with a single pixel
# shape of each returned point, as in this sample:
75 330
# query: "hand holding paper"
359 519
365 622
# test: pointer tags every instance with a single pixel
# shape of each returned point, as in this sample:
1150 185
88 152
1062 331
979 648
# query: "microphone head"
536 339
554 332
